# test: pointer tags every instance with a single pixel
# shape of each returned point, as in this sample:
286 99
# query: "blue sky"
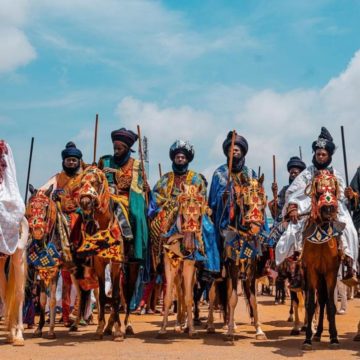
276 71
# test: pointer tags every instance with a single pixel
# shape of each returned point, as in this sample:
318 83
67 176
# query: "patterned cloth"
12 206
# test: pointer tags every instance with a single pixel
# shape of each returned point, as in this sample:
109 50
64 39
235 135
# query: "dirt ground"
145 345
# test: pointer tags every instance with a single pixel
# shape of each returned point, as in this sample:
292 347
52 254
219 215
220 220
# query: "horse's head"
40 213
252 201
94 191
324 192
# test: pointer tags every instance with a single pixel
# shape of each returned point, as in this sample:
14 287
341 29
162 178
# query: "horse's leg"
259 335
99 267
291 311
52 306
212 296
330 281
295 305
233 271
3 281
310 310
322 300
130 285
170 273
75 325
115 279
189 277
357 336
43 300
180 313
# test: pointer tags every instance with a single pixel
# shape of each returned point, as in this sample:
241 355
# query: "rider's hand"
274 189
349 193
293 213
146 187
225 196
108 170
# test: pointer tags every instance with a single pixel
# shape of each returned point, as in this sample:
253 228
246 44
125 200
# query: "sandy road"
145 345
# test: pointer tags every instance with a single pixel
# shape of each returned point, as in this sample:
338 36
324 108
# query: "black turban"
71 151
324 141
127 137
296 162
184 147
239 140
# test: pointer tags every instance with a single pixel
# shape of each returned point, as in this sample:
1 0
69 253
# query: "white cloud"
273 123
15 47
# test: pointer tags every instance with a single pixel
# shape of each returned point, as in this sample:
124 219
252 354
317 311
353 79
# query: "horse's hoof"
210 330
303 328
334 344
129 330
99 336
19 342
51 336
118 337
229 338
357 337
260 336
290 319
194 335
295 332
10 340
37 334
197 322
180 330
307 346
73 328
162 335
107 332
316 338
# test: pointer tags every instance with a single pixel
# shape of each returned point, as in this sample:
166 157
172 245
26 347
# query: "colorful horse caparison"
179 260
12 289
43 255
244 255
321 257
101 240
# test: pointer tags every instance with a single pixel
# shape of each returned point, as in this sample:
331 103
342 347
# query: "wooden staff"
274 179
29 168
142 164
259 172
344 153
160 172
300 152
95 137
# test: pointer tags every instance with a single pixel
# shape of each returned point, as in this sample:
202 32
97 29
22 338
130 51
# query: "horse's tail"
14 296
223 296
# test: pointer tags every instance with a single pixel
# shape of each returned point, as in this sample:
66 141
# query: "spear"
231 158
344 153
300 152
274 179
160 172
259 172
29 168
95 137
142 163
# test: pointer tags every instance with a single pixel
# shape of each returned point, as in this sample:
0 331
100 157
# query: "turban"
71 151
127 137
239 140
324 141
296 162
184 147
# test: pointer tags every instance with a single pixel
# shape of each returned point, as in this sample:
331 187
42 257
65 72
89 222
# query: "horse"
245 254
12 289
101 241
180 258
321 256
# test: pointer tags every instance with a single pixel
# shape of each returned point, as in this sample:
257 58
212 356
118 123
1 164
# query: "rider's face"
322 156
237 153
180 159
120 148
71 162
294 172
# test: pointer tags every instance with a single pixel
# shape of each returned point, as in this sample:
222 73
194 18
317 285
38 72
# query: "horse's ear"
261 180
32 190
200 188
49 190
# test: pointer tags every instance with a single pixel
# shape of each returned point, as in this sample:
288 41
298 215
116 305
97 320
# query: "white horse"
12 288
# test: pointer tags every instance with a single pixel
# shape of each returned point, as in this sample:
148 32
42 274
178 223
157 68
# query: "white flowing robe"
12 207
291 240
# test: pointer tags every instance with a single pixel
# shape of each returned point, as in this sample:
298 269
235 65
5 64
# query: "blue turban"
71 151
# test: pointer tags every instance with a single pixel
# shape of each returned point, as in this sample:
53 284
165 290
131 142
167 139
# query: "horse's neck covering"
12 207
41 215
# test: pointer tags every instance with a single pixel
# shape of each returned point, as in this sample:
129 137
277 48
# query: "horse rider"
298 205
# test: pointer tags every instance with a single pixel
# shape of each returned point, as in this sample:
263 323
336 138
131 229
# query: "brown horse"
321 256
42 251
244 255
101 240
179 259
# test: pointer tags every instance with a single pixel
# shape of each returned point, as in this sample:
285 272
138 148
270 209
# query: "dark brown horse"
321 257
101 240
